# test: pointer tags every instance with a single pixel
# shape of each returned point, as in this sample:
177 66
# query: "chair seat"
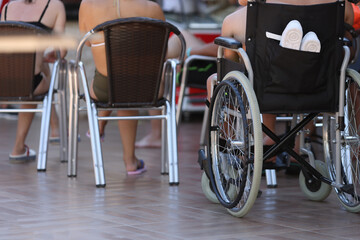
159 103
24 98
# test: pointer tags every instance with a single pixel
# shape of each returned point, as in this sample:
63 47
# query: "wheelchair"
278 80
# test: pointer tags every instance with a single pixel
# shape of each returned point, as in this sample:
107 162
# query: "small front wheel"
207 190
314 189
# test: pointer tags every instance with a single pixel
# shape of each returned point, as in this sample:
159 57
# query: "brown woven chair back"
135 50
17 69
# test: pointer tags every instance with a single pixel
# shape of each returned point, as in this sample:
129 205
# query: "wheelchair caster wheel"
314 189
207 190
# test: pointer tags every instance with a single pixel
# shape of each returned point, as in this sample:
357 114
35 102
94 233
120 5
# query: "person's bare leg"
54 123
153 139
23 126
103 123
127 130
269 121
25 120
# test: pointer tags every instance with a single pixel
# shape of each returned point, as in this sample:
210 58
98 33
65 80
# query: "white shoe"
292 35
310 43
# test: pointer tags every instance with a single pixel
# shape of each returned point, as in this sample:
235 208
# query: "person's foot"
24 155
139 169
56 139
102 136
149 141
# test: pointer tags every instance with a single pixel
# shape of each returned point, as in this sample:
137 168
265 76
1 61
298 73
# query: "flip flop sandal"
102 136
140 169
56 140
29 155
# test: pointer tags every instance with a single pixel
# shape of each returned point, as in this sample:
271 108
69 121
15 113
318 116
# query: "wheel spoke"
231 151
349 147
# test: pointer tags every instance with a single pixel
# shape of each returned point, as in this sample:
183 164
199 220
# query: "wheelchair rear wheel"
235 144
349 145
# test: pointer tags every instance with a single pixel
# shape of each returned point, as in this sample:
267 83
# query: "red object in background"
207 37
356 10
3 3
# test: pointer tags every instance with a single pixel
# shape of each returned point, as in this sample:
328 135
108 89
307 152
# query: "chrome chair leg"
63 111
174 152
169 144
181 97
73 120
44 137
96 147
164 146
45 121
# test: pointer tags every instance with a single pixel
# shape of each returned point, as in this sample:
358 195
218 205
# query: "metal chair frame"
169 135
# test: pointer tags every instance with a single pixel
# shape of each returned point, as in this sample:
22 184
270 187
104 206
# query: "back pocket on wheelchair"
292 71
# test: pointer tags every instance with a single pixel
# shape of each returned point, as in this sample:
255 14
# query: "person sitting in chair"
91 14
49 15
234 26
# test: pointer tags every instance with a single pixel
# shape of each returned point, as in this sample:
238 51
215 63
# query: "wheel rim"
349 148
229 140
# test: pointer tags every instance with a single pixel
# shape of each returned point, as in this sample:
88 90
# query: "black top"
38 23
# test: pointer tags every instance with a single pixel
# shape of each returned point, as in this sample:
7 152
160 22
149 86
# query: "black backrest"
135 52
17 69
287 80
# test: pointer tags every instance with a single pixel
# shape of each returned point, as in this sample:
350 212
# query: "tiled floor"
49 205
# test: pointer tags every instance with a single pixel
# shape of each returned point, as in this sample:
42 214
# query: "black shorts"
36 80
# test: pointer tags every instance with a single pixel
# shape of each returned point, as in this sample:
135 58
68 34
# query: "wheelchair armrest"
228 42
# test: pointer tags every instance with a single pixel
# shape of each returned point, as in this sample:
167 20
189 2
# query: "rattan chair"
135 52
16 87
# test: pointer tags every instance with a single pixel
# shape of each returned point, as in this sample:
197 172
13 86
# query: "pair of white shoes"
292 37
